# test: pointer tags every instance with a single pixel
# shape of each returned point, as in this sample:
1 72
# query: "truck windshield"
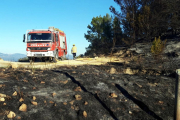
39 36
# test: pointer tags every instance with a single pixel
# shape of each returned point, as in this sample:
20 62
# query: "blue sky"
70 16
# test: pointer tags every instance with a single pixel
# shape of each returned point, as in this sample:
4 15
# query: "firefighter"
74 51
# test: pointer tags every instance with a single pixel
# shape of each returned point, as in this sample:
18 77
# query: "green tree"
157 47
128 18
117 32
99 34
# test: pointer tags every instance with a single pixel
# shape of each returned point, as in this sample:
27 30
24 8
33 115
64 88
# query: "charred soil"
86 92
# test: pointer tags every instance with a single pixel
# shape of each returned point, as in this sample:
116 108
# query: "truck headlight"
48 48
28 48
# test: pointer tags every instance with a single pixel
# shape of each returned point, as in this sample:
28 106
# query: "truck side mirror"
24 38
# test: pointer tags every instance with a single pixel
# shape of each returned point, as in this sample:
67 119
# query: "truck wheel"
55 58
64 56
31 59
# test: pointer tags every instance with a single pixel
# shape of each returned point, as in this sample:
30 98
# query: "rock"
34 97
113 95
25 80
53 94
64 82
65 103
11 115
128 52
172 47
130 112
73 71
21 99
14 65
72 107
42 82
78 97
2 99
161 102
1 59
2 95
71 102
23 108
34 103
84 113
18 117
51 102
2 85
128 71
77 88
112 70
85 103
55 104
14 94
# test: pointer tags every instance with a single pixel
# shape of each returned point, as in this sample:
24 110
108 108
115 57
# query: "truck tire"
55 58
31 59
63 57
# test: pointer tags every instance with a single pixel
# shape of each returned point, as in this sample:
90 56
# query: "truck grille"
38 48
39 55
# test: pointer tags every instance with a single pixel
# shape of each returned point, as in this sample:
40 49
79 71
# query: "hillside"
12 57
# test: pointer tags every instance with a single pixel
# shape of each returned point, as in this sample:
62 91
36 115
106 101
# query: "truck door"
57 41
62 42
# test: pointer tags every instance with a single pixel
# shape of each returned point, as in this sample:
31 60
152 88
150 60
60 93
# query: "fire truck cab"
46 44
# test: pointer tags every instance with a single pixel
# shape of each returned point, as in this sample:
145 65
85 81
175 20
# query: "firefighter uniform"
74 51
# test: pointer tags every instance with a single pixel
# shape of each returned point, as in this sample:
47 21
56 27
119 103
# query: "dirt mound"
86 92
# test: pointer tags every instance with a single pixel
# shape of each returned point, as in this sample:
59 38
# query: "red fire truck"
46 44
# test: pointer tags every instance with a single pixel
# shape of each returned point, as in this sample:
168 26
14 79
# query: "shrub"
157 47
25 59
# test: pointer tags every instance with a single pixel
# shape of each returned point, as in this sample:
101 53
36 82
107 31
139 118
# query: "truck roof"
40 32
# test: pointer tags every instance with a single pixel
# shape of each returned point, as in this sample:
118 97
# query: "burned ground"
102 95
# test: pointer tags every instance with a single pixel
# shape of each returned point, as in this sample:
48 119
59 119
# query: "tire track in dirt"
86 91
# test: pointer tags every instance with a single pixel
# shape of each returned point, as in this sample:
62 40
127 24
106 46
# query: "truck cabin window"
39 36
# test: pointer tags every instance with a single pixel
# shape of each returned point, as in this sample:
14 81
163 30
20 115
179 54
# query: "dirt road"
80 61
